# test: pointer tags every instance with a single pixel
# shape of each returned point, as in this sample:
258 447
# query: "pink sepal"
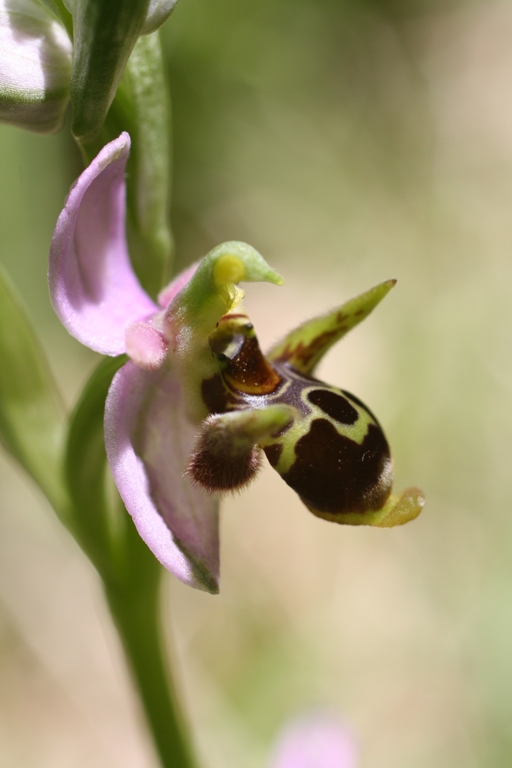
93 288
149 440
168 293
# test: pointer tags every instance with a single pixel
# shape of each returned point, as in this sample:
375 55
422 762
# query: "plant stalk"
136 613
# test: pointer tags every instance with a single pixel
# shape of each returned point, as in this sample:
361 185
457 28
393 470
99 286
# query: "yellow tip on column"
228 269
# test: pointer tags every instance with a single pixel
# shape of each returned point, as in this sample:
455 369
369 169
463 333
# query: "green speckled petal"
304 347
195 311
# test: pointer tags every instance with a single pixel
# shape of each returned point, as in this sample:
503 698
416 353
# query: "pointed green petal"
226 457
304 347
32 416
194 313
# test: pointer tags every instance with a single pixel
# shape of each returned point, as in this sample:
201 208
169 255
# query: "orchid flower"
190 413
315 741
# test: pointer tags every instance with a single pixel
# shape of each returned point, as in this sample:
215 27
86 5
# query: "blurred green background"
349 141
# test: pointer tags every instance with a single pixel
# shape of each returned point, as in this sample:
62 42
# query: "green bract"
105 33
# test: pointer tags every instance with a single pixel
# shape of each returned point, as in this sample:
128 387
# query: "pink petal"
168 293
315 741
145 345
148 441
93 287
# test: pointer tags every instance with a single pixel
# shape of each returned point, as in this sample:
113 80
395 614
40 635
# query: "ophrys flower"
198 401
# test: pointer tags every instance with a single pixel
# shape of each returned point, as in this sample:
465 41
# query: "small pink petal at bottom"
145 345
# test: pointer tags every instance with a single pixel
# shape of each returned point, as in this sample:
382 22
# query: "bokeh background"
349 141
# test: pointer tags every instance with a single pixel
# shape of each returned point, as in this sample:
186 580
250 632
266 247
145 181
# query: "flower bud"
35 66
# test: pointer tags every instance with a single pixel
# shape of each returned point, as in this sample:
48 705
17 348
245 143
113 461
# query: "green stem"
137 616
150 164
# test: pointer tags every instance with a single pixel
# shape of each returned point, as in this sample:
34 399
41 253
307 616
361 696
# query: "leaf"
32 417
104 35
